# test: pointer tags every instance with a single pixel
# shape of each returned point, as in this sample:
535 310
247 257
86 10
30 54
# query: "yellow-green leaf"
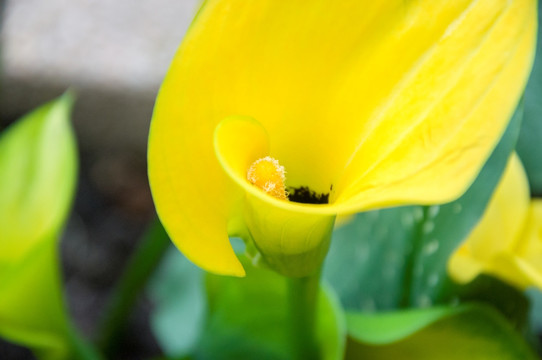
38 167
449 333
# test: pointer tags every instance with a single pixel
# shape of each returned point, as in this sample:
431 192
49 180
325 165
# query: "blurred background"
113 54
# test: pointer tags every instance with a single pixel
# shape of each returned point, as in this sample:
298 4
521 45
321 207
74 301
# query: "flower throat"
268 175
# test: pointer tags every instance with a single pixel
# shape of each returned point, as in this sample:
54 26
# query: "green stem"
139 269
81 349
77 346
303 302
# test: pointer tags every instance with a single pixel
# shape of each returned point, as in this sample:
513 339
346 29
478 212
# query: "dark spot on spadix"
305 195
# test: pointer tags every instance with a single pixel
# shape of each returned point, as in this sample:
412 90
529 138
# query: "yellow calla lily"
507 242
366 104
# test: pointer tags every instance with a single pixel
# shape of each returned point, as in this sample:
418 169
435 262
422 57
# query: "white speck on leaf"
373 215
433 279
362 253
418 213
428 226
424 301
431 247
407 219
456 208
434 210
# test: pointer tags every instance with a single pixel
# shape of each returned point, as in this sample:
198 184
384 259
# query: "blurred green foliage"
448 333
245 317
38 163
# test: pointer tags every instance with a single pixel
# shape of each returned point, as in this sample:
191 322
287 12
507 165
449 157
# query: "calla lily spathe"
372 103
507 242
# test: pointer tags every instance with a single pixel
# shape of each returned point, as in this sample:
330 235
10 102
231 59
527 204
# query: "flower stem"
81 349
303 301
141 265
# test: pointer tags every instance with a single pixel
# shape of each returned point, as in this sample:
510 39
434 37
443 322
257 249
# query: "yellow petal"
427 142
529 250
492 244
389 102
192 201
515 270
463 267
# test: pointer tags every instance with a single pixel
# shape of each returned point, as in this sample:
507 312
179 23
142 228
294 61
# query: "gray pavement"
113 53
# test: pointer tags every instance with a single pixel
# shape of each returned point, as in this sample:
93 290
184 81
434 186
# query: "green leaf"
242 317
530 136
178 294
465 332
31 307
511 302
389 327
445 227
535 296
331 331
38 163
396 258
367 261
248 319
